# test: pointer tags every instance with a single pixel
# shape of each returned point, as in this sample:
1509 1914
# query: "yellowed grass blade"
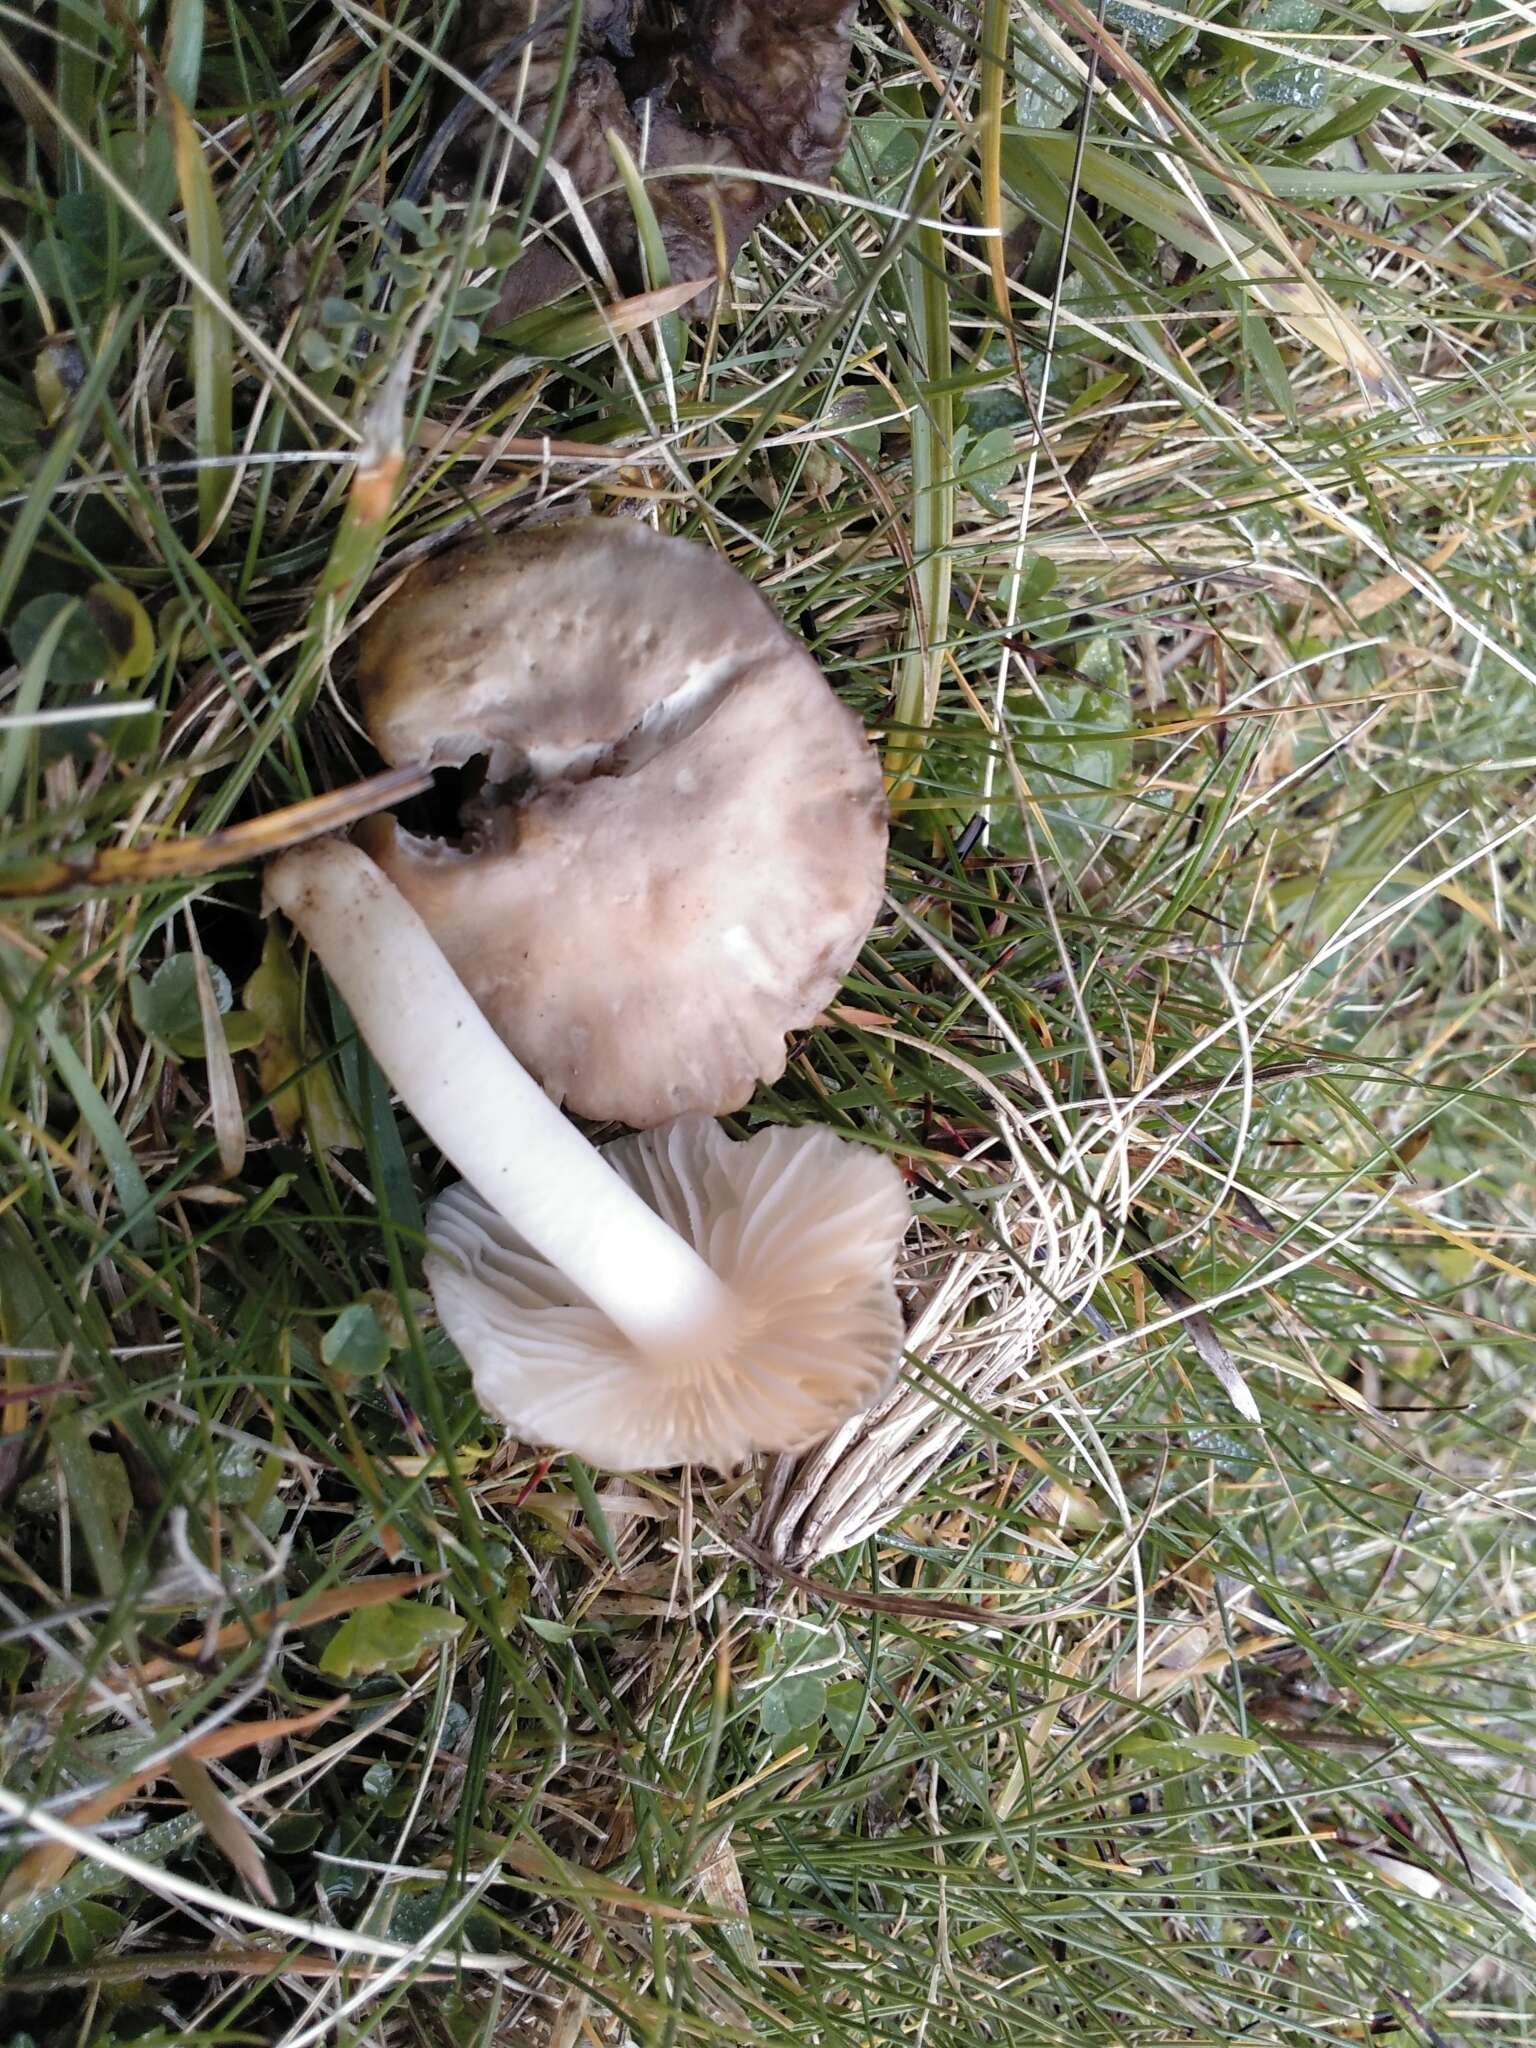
212 350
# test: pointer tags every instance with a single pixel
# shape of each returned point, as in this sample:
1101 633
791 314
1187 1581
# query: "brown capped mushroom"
728 87
681 841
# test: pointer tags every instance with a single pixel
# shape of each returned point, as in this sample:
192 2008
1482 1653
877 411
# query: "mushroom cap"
801 1225
686 840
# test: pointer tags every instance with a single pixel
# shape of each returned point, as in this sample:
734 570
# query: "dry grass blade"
223 1825
183 858
932 506
308 1610
46 1864
223 1089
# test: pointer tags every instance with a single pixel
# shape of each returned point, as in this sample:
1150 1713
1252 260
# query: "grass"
1180 562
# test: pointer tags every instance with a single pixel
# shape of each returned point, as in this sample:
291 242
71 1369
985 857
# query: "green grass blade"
132 1190
212 355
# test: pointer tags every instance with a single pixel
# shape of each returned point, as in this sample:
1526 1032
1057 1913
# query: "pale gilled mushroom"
680 843
676 1297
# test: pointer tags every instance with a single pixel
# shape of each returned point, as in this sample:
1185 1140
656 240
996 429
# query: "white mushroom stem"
481 1109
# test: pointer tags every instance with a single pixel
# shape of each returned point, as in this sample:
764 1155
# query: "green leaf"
15 745
1286 17
96 1487
109 1492
105 1922
395 1637
125 630
556 333
183 59
1136 25
848 410
1349 121
408 215
236 1469
847 1711
315 351
1041 96
343 313
888 144
272 999
795 1697
1259 345
790 1704
1229 1453
1279 78
1290 85
290 1834
69 264
339 1880
549 1631
79 653
1037 579
985 462
1102 662
996 405
357 1343
418 1912
653 248
20 421
165 1007
243 1030
78 1938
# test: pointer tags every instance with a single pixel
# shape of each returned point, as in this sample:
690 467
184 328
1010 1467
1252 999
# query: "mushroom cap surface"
801 1225
685 842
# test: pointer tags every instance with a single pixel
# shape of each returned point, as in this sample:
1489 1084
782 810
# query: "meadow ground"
1138 429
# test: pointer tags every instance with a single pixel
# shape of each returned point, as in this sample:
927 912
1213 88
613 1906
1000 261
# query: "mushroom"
674 1297
680 842
748 92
